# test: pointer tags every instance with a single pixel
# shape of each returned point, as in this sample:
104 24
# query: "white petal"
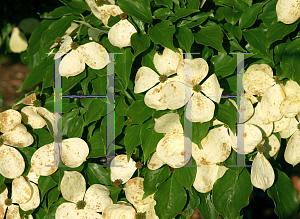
262 173
166 64
153 96
212 89
155 162
32 176
272 146
67 210
18 137
3 194
257 79
134 191
21 190
145 79
290 107
288 131
18 42
70 30
192 71
74 152
120 34
270 104
121 169
281 124
174 96
28 100
199 155
2 211
168 123
89 214
12 163
9 119
252 98
43 160
47 115
288 11
150 211
97 197
73 186
206 176
216 145
34 201
291 87
119 211
94 55
106 11
13 212
291 153
202 108
65 47
31 117
175 150
72 64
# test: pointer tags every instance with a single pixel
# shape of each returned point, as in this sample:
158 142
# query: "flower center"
259 98
197 88
74 45
58 39
163 78
277 81
8 202
1 141
140 215
117 183
298 126
100 2
139 165
37 103
80 204
123 16
260 148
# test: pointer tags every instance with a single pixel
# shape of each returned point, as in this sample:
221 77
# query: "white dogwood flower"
121 169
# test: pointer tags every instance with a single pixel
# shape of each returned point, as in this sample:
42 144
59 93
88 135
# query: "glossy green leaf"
235 161
185 38
224 65
39 213
193 4
226 113
233 31
139 112
96 109
123 65
284 195
45 184
43 137
153 178
186 175
290 64
72 125
278 30
27 153
2 179
167 3
249 17
238 5
211 36
231 193
268 15
199 131
76 4
96 174
51 213
52 196
140 43
132 139
231 16
168 204
147 59
97 146
206 206
69 83
139 9
193 201
183 12
198 19
163 13
99 86
162 33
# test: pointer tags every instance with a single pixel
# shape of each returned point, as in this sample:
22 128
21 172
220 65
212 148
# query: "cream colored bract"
18 42
288 11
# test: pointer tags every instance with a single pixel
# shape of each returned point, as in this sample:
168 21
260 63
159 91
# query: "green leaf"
231 16
147 59
249 17
27 153
234 160
39 213
96 109
284 195
231 193
269 15
211 36
192 203
96 174
162 33
193 4
170 197
163 13
58 12
55 29
199 131
139 112
43 137
2 179
52 210
139 42
114 193
183 12
97 146
36 75
72 125
186 175
123 65
185 38
53 196
238 5
69 83
45 184
167 3
132 139
278 30
257 38
233 31
206 206
99 86
153 178
198 19
76 4
139 9
150 139
226 113
224 65
290 61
